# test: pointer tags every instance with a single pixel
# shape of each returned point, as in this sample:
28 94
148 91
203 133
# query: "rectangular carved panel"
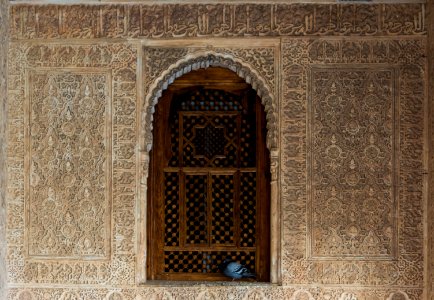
352 141
396 70
68 147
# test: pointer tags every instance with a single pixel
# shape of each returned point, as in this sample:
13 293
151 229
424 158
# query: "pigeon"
235 270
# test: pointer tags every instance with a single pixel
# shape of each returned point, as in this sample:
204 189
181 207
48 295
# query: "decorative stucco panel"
4 6
316 138
430 196
71 160
352 143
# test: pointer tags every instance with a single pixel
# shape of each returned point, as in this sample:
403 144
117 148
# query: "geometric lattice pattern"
204 261
196 209
248 209
247 143
210 100
209 140
222 228
171 218
211 137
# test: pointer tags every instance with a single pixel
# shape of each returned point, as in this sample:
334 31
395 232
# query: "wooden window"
209 179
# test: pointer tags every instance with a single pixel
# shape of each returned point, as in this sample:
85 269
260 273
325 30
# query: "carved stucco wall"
430 212
345 117
3 117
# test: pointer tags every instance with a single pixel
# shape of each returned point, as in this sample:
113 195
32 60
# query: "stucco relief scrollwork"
331 147
73 127
204 59
230 292
352 134
69 143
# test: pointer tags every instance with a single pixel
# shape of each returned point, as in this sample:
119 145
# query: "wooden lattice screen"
209 194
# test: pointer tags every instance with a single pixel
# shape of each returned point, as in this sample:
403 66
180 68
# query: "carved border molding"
4 45
221 292
215 20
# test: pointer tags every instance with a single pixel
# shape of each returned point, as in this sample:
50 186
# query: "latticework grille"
248 142
204 261
171 209
222 227
210 100
209 205
209 140
196 209
248 209
174 141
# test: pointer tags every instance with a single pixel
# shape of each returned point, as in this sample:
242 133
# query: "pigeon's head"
224 263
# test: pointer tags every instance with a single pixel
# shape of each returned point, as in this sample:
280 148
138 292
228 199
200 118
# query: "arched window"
209 179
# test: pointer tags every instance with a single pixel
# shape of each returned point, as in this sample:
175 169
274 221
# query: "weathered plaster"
3 117
430 144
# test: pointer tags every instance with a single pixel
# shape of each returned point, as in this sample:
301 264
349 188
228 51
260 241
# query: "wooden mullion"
262 197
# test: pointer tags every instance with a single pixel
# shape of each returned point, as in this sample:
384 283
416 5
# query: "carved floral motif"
332 145
78 123
4 44
239 292
69 146
352 180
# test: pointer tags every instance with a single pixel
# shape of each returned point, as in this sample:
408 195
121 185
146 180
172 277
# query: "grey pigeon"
235 270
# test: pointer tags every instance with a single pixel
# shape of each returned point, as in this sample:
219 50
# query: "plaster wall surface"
430 235
344 87
4 36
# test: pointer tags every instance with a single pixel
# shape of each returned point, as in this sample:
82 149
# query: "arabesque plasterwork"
352 130
362 157
68 138
76 141
329 264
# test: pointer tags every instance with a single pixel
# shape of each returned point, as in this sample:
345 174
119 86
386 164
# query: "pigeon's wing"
236 270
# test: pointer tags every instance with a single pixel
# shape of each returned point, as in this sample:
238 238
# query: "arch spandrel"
199 60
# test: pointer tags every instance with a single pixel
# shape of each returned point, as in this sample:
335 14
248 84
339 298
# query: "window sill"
179 283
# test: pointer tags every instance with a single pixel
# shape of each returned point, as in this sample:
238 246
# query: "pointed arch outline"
201 60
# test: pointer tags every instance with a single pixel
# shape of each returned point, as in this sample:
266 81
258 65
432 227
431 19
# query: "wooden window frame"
230 84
